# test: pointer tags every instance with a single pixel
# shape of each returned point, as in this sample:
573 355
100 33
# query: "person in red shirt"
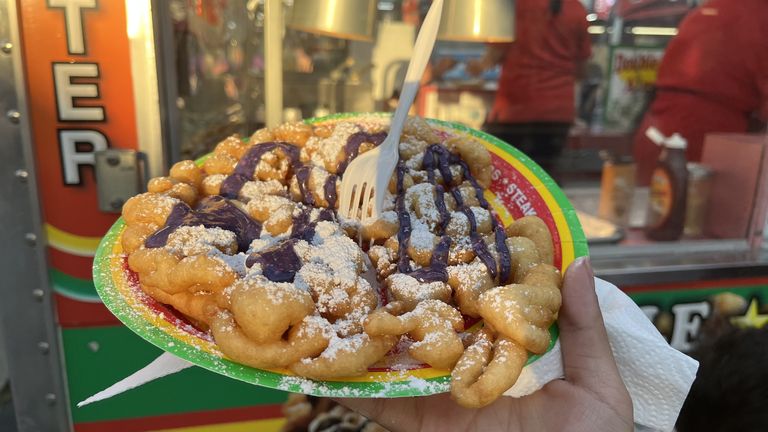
713 78
534 105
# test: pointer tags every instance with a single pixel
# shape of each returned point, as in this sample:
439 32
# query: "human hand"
592 397
304 62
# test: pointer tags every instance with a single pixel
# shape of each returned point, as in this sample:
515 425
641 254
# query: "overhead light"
345 19
653 31
478 21
596 29
592 17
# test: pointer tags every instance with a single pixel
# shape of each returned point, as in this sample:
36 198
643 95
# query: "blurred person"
534 105
304 413
713 78
731 388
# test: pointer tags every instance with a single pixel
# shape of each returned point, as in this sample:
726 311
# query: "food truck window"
653 123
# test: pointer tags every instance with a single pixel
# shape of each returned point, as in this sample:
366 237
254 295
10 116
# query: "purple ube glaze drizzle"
438 265
329 190
352 147
404 219
478 189
304 228
217 212
445 215
279 263
179 214
211 212
443 163
428 163
478 243
505 266
438 157
302 178
230 187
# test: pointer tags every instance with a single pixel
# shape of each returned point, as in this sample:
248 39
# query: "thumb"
587 356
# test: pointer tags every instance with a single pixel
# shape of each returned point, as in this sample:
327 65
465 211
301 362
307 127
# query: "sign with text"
79 88
680 311
78 72
631 77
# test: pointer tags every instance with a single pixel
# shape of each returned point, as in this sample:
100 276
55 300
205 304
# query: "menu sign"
631 76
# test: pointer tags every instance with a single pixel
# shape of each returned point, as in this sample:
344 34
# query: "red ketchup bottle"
668 189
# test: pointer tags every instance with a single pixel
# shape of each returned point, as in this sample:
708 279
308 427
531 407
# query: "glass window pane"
579 90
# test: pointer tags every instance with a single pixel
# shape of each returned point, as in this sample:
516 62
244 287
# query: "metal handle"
120 174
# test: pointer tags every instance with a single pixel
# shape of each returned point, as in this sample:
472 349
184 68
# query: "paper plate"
519 188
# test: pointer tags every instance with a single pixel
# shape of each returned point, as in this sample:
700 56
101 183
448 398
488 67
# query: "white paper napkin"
166 364
657 376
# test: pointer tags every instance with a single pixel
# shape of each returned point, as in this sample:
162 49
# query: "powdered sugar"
421 237
157 204
235 262
213 181
199 240
253 190
389 216
415 162
334 261
345 346
458 226
263 242
472 275
421 198
407 288
317 178
327 152
482 216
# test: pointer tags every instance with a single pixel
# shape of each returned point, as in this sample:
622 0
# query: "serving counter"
676 283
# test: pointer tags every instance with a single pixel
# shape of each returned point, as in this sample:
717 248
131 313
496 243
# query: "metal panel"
26 309
167 74
658 275
139 23
273 61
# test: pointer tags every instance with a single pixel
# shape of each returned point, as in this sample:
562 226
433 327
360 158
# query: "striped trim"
72 287
272 425
71 243
730 283
229 420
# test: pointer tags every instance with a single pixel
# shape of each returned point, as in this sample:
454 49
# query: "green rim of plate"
410 386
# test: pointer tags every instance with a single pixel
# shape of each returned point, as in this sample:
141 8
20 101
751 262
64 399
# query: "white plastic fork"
375 167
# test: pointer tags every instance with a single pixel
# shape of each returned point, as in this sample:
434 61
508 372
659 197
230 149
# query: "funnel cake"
249 247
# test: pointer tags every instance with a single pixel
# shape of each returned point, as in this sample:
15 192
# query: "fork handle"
422 51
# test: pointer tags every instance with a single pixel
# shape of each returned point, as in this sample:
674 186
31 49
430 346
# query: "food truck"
100 95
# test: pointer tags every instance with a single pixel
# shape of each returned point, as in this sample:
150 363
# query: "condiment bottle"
617 188
668 189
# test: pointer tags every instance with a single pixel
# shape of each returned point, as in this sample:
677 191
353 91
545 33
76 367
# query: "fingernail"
588 266
583 264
